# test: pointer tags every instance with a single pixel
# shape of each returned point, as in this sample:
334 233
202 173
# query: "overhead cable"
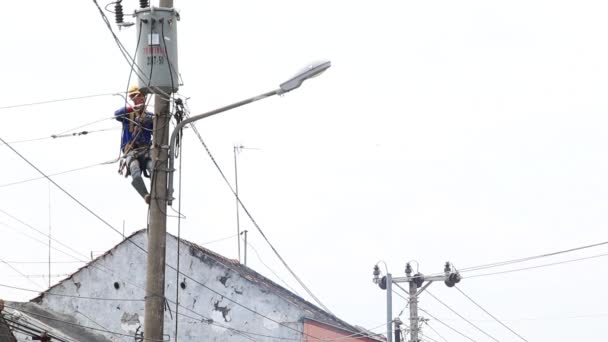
446 325
256 224
507 262
435 331
19 272
56 100
72 324
489 314
140 247
459 315
57 174
270 269
537 266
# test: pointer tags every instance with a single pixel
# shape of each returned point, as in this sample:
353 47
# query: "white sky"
468 131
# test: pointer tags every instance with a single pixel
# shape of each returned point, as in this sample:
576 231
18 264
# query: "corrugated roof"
5 333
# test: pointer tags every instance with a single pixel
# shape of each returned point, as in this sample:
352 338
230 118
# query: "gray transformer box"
156 62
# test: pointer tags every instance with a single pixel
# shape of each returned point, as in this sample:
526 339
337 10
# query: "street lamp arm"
199 117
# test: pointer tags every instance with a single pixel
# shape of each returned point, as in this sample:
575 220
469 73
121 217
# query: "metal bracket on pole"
424 287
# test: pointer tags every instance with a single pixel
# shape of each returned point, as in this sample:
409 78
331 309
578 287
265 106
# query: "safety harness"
139 152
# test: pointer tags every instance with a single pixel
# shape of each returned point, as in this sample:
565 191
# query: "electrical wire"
56 100
400 295
19 272
424 338
538 266
30 329
60 188
117 231
72 296
446 325
56 174
55 136
271 270
74 324
489 314
141 248
43 262
44 243
179 237
256 224
219 240
435 331
513 261
43 234
462 317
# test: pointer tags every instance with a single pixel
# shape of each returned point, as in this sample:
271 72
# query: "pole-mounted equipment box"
156 60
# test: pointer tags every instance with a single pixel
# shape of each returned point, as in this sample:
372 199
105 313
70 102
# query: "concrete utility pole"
413 302
389 307
154 312
415 281
244 233
235 150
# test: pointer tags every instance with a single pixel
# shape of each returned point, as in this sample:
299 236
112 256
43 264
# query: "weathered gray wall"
126 266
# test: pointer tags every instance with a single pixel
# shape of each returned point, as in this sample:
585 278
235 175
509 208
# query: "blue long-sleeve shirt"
142 135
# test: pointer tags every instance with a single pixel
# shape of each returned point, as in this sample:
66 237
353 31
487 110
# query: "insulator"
118 12
382 283
143 4
418 279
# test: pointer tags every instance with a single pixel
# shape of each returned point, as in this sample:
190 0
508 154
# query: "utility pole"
413 302
236 191
157 232
244 247
389 307
416 281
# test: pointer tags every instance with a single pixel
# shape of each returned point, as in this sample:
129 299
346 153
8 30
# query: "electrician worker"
136 140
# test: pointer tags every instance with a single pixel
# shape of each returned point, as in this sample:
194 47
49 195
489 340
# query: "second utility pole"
154 312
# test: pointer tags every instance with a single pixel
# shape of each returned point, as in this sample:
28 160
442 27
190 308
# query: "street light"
311 71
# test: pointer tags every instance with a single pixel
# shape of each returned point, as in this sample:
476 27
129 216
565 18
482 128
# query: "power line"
72 296
56 100
435 331
44 262
117 231
459 315
507 262
57 174
141 248
54 136
270 269
70 323
45 235
256 224
218 240
446 325
19 272
538 266
60 188
489 314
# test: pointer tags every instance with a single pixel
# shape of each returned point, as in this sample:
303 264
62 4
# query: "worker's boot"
140 186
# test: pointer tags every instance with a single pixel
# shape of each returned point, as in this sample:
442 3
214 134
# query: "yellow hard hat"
133 91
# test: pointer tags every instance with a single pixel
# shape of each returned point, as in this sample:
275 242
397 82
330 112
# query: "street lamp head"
310 71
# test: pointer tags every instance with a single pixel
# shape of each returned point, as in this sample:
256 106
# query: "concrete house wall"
110 294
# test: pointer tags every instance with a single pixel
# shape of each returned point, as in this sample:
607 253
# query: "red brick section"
316 332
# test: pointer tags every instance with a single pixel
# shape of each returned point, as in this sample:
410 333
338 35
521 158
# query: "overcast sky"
462 131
